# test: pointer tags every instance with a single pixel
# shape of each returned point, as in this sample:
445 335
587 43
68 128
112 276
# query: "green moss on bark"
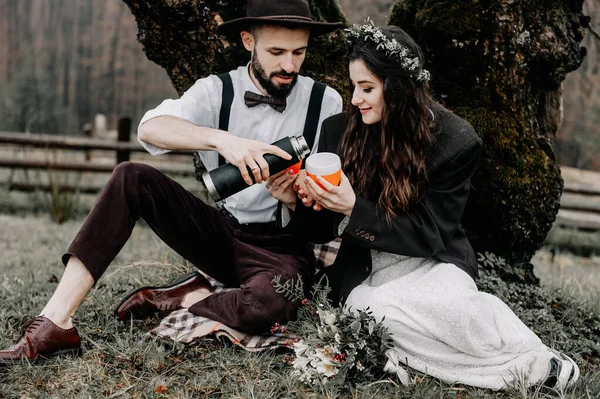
513 201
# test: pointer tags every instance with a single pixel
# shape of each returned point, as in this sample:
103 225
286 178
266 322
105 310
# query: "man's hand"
246 153
280 187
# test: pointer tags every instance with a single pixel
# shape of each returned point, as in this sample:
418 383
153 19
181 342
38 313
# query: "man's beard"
277 91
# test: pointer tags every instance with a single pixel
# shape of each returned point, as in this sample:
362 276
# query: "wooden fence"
122 149
580 202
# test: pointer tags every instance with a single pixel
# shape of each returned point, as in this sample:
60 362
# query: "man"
240 245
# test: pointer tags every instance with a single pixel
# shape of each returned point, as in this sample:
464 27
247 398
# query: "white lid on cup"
323 164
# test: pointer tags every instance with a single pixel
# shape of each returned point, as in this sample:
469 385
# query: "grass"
577 275
120 360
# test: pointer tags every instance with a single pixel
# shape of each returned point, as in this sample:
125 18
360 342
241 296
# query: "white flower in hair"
379 36
391 48
411 64
424 76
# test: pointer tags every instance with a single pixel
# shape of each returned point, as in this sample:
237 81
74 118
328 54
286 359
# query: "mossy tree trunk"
500 65
497 63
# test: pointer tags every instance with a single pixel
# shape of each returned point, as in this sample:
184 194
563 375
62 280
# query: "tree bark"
180 36
500 64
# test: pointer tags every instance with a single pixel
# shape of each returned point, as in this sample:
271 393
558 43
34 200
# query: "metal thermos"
227 180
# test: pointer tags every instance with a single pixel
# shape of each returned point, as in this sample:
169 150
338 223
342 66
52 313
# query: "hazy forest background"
64 61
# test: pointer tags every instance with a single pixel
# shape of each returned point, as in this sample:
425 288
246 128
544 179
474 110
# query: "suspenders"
312 116
314 112
227 95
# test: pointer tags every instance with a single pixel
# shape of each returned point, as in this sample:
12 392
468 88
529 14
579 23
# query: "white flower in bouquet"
325 362
327 353
327 318
328 370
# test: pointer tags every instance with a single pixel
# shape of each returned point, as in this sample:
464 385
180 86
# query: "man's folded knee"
124 168
131 168
131 174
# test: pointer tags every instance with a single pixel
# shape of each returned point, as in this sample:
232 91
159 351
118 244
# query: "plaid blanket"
185 327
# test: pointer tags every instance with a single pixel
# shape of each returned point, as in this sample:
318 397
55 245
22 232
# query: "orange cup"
325 164
295 168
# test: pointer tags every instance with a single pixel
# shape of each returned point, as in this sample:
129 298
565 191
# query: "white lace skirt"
443 326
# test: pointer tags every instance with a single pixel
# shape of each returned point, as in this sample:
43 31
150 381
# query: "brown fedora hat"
288 13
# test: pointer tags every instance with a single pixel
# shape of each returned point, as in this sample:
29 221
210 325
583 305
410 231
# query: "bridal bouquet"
333 343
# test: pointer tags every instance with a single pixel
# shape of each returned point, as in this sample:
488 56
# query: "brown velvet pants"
244 256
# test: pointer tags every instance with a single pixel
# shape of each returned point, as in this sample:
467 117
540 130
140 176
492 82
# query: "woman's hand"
340 199
300 188
281 188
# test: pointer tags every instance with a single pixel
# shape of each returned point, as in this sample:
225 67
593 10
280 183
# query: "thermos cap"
300 146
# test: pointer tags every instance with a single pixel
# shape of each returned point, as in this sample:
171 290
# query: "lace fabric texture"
443 326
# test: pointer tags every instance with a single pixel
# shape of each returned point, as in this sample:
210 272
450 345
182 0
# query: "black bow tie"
253 99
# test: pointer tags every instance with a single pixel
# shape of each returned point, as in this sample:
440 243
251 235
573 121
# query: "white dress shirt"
201 105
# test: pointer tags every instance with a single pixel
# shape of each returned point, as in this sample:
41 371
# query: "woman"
407 164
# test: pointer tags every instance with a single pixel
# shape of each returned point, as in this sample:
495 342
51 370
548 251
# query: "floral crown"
391 48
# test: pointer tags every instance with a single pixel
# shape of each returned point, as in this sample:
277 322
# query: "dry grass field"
120 360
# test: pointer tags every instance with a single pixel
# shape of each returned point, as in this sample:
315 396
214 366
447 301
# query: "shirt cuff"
343 224
286 215
152 149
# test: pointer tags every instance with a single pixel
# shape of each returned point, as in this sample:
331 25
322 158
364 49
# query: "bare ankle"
194 297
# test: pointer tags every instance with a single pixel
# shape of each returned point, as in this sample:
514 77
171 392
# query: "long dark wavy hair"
386 161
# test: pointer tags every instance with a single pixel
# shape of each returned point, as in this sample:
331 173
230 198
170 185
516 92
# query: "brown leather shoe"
146 301
42 339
